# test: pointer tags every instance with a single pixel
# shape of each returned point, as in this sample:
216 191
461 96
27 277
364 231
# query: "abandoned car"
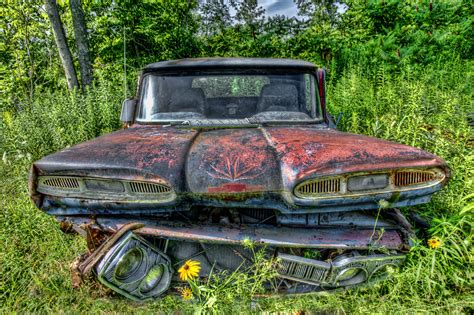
217 152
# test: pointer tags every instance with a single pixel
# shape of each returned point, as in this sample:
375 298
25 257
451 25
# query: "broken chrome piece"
135 268
342 271
82 267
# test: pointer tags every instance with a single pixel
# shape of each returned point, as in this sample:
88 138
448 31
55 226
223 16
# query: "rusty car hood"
231 160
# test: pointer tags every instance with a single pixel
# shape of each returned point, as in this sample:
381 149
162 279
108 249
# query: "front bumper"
358 255
295 237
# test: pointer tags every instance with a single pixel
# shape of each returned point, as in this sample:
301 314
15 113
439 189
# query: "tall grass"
426 109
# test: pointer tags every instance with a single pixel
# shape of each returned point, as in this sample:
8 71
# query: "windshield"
233 96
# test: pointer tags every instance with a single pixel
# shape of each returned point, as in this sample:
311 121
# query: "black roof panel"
231 63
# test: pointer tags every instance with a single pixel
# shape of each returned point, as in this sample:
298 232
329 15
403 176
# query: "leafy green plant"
398 70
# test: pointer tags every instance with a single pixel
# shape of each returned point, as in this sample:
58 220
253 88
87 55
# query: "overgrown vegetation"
397 70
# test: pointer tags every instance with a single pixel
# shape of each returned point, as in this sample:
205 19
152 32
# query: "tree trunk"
61 42
80 32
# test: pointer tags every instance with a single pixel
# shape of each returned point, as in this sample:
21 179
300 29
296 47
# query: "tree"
251 15
80 33
61 42
154 30
320 11
216 16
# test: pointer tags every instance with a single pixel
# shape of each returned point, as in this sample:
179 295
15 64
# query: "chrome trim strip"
439 177
128 193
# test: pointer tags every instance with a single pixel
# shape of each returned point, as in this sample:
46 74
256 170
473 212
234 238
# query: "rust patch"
225 161
235 161
94 236
306 151
341 238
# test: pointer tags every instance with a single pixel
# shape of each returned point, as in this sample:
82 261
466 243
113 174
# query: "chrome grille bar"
322 186
407 178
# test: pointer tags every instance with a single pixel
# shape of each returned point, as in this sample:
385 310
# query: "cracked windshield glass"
267 97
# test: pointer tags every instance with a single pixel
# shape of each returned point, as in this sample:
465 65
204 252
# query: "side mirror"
333 122
339 116
128 110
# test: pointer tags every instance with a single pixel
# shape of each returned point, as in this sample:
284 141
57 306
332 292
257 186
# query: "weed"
427 109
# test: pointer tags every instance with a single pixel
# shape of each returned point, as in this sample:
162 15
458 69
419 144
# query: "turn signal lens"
104 185
367 182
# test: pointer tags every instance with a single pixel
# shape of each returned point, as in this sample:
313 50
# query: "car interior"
281 98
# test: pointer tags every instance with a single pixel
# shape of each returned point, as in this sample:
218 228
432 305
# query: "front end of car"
327 232
321 203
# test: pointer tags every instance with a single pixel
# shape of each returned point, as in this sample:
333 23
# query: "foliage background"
399 70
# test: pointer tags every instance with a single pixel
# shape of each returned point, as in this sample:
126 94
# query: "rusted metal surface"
232 156
335 238
306 151
232 161
147 153
227 166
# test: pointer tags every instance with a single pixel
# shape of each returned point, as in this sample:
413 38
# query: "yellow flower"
189 270
186 293
434 243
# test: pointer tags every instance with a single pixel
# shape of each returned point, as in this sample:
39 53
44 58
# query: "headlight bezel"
436 176
105 188
133 288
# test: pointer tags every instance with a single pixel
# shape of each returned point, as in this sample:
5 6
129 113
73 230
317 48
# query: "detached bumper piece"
342 272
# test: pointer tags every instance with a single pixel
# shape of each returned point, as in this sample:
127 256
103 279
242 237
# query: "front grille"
62 183
266 215
408 178
302 269
315 187
148 188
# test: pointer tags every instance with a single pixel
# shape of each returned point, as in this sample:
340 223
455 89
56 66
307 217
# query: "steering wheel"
232 109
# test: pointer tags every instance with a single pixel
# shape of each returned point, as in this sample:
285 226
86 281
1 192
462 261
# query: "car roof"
229 63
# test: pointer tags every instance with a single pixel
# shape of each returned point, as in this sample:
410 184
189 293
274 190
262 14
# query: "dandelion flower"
189 270
434 243
384 204
186 293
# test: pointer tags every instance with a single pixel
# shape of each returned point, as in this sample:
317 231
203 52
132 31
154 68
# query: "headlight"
360 183
135 269
129 264
96 188
348 274
153 278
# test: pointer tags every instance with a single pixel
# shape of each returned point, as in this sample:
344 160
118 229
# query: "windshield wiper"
238 123
218 123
